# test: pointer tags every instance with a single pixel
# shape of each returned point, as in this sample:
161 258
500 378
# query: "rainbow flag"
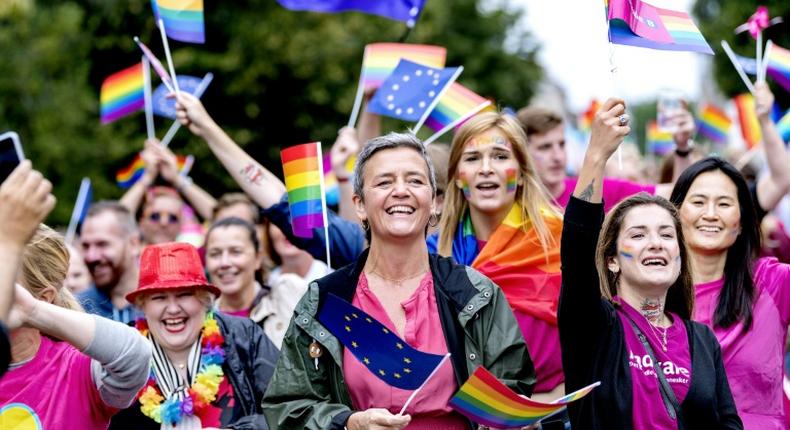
122 94
456 105
127 176
514 260
183 19
586 118
783 126
302 168
779 65
658 141
747 118
637 23
381 59
486 401
714 123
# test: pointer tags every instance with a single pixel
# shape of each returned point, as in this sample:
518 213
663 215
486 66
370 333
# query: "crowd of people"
667 291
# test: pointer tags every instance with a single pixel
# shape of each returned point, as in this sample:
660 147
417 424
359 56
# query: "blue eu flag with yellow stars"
384 353
411 90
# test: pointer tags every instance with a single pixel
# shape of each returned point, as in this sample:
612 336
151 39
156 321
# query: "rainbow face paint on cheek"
465 185
627 252
511 180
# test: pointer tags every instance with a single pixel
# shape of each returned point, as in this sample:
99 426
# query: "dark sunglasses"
157 216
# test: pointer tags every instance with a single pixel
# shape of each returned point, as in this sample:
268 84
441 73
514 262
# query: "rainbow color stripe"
456 105
714 123
512 182
302 171
670 30
783 126
122 94
779 66
183 19
382 58
747 118
658 141
486 401
127 176
514 259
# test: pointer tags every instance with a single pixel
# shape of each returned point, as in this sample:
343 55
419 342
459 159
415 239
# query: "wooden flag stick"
168 56
149 111
738 67
323 202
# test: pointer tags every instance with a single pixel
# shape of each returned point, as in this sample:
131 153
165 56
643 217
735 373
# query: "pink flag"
642 18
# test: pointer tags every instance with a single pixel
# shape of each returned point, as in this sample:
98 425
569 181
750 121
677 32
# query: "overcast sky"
575 54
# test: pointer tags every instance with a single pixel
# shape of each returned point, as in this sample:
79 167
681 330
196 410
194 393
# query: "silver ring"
623 119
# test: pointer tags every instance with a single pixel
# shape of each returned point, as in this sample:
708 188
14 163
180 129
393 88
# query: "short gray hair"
391 141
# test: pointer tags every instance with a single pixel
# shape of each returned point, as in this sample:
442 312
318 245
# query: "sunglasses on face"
158 216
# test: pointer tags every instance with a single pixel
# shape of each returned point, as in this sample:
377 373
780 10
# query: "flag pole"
149 112
82 195
352 121
168 56
769 46
323 202
414 393
612 74
738 67
759 57
201 88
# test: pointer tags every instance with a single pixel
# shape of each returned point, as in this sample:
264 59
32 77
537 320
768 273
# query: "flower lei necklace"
202 392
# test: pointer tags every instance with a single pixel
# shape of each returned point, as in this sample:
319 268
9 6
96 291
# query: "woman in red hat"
68 369
208 370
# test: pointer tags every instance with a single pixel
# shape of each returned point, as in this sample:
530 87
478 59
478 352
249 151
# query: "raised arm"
133 197
198 198
582 317
773 186
263 187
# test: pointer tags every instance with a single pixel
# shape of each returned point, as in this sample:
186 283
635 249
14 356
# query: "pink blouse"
429 410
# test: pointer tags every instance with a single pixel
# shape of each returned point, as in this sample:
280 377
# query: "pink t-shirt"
614 191
648 407
55 390
423 331
543 343
754 360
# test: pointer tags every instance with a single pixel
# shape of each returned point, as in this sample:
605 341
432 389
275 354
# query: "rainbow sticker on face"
488 140
511 180
465 185
627 252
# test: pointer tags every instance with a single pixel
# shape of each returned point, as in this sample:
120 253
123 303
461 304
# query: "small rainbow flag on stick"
714 123
183 19
122 94
658 142
747 118
586 118
303 171
488 402
456 105
779 65
127 176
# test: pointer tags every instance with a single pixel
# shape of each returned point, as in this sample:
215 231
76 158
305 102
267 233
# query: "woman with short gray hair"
435 305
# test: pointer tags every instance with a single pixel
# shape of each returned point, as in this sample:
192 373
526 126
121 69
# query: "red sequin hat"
171 266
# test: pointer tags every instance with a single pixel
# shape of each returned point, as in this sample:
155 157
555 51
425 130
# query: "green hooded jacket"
478 325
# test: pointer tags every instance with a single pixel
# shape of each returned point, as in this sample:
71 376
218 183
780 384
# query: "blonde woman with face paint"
627 297
497 218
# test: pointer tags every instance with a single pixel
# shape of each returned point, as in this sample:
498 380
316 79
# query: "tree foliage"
718 19
281 77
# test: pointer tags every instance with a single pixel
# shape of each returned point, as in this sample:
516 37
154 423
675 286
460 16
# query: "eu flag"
411 90
166 107
384 353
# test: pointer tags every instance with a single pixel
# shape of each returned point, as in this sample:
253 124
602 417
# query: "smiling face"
711 214
107 249
648 254
231 260
548 151
488 173
175 318
397 194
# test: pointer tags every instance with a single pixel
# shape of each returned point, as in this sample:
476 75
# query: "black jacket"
594 348
250 359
